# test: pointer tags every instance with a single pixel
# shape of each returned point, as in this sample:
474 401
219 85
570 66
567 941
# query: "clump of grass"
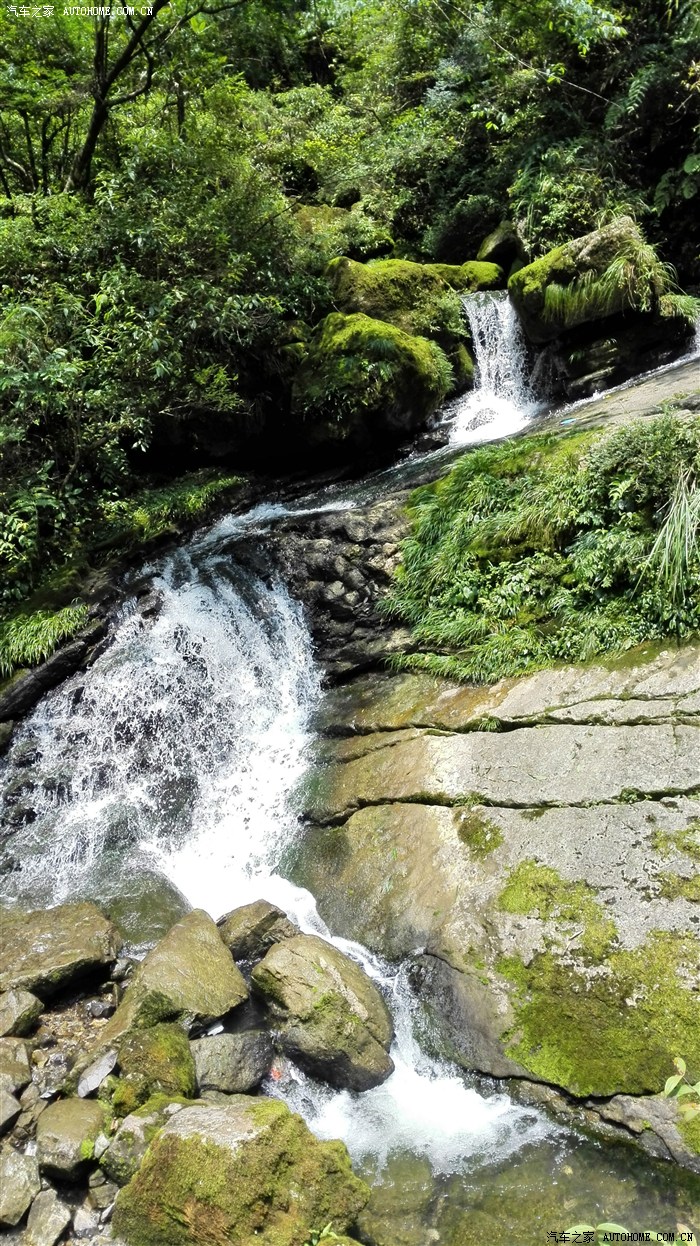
26 639
553 549
155 512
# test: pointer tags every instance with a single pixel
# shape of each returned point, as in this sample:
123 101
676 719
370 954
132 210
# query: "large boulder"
539 841
48 950
66 1135
329 1015
48 1219
189 976
418 298
365 384
607 272
502 246
244 1173
19 1184
232 1063
250 930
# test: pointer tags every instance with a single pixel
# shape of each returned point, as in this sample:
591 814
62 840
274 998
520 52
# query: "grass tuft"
27 639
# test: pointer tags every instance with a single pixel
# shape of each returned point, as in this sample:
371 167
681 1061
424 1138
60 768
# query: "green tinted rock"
66 1133
250 930
189 976
330 1016
365 381
156 1059
47 950
249 1173
122 1158
18 1012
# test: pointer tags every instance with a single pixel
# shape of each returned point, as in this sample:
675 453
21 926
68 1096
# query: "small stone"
85 1221
66 1135
19 1184
100 1009
15 1071
102 1196
9 1109
233 1063
96 1073
48 1219
251 930
18 1012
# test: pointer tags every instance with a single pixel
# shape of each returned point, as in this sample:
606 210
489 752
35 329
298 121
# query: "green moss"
480 834
364 379
689 1129
470 277
272 1187
87 1149
612 1030
156 1059
538 889
686 840
677 887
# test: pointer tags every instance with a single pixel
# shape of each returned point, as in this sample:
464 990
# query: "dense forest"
175 181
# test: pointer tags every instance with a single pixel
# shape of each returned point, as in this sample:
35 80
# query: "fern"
27 639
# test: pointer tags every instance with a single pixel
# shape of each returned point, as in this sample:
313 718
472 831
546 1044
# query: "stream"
168 775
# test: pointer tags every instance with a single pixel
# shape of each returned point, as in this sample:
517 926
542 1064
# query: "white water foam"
503 400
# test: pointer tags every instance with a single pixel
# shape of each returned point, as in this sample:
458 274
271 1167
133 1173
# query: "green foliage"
325 1234
549 549
26 639
680 1088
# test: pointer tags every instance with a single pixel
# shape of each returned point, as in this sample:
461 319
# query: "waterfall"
503 398
176 757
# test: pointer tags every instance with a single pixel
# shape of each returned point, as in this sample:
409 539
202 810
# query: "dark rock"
233 1063
23 691
249 931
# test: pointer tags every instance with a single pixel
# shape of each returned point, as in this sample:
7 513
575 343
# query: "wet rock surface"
340 564
232 1063
328 1015
48 950
249 931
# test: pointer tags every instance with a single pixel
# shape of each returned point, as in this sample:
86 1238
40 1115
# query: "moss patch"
686 841
540 890
677 887
612 1030
480 834
156 1059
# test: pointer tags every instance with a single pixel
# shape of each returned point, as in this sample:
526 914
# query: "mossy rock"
122 1159
612 1027
606 272
420 299
156 1059
249 1173
365 383
471 277
502 246
329 1015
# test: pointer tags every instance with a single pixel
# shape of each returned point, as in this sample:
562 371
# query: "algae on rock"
249 1173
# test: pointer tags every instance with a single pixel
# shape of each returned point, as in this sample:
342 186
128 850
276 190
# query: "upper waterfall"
503 399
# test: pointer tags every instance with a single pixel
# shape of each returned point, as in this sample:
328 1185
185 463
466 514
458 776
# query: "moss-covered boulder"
156 1059
249 1173
502 246
418 298
365 383
609 271
330 1016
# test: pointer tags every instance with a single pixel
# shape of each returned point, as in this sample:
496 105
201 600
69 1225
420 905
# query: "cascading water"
503 399
177 754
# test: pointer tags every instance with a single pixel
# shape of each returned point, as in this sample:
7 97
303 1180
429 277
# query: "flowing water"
167 775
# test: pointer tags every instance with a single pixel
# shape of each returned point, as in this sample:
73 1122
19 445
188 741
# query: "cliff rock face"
540 842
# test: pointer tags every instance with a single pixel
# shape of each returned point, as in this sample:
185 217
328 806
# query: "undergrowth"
553 549
154 512
27 639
